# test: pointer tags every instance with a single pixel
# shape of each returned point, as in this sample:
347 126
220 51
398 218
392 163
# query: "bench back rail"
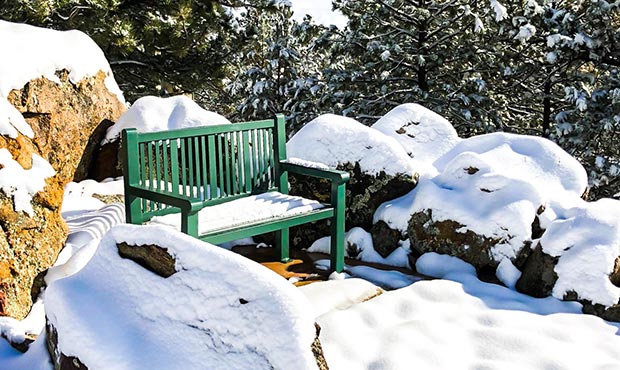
211 163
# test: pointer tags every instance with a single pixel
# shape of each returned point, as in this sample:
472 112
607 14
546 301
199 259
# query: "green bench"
226 182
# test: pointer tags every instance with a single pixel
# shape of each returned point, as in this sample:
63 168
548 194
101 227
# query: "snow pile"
78 197
424 134
218 308
350 292
31 52
334 140
494 185
152 113
12 121
255 208
587 241
36 358
480 326
553 172
359 245
23 184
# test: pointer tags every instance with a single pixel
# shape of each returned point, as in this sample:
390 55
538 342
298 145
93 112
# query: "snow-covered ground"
453 322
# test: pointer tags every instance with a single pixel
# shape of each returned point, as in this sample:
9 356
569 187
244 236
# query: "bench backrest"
214 163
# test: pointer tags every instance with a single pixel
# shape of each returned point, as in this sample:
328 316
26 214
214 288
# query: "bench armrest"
184 202
335 176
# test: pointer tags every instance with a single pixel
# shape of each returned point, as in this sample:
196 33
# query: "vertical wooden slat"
270 156
195 158
183 168
190 166
255 158
261 156
220 167
228 148
247 178
279 153
166 165
157 165
174 165
265 150
149 153
212 168
143 158
203 166
149 148
239 163
143 174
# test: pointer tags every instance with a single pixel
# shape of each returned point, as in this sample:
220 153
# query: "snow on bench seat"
244 211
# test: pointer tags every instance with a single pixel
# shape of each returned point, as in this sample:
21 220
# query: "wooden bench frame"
179 171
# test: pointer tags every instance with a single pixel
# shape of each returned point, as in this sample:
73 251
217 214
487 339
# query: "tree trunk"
546 124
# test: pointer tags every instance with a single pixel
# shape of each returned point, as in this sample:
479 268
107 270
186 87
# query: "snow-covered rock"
554 173
582 249
56 90
149 114
152 113
489 191
337 140
174 302
379 168
424 134
359 245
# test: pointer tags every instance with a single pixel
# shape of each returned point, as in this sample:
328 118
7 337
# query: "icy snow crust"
493 185
30 52
114 314
424 134
587 241
152 113
334 140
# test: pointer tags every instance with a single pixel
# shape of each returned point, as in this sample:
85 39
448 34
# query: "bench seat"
245 211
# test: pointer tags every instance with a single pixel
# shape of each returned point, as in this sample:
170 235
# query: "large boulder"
54 94
493 195
148 114
578 258
160 299
379 167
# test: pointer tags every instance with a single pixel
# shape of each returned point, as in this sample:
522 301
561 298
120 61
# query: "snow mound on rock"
424 134
587 241
334 140
217 308
152 113
30 52
553 172
493 185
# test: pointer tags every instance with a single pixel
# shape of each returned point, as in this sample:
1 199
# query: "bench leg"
189 223
282 238
337 229
133 210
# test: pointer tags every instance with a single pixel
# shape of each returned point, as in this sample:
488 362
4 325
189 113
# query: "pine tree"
279 70
423 51
561 80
